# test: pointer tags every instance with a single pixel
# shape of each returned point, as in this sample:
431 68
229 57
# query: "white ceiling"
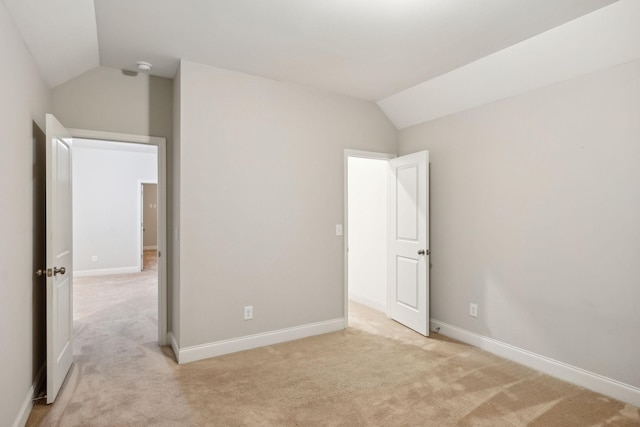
61 35
369 49
607 37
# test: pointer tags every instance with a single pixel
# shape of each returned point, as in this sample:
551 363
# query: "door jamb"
361 154
161 143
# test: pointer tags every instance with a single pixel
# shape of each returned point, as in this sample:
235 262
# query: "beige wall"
535 213
109 100
261 192
24 99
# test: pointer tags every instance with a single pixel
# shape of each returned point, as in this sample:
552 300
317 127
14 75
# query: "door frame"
365 155
141 184
161 143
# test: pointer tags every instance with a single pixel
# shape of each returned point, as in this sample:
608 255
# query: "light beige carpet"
375 373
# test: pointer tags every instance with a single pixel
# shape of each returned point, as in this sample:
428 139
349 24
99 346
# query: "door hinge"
159 254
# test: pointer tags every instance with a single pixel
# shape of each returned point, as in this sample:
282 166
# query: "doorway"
386 243
366 229
108 248
140 146
367 238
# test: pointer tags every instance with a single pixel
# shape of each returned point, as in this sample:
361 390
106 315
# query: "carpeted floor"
375 373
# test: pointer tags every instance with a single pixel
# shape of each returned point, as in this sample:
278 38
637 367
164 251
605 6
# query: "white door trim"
161 143
366 155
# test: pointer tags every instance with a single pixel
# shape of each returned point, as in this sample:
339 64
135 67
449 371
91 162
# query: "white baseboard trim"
25 409
106 271
174 344
148 248
218 348
555 368
27 404
369 302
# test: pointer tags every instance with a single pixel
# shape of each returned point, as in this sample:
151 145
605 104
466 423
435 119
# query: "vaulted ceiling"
369 49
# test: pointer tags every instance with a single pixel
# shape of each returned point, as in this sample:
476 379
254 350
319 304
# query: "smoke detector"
144 66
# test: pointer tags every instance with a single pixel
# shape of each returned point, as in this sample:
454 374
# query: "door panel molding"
408 241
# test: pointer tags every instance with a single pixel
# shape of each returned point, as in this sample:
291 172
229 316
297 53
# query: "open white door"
59 269
408 251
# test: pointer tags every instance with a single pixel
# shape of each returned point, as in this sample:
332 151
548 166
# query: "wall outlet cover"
473 310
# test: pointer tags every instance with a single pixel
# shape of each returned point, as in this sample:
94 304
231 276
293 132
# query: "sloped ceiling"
607 37
369 49
61 35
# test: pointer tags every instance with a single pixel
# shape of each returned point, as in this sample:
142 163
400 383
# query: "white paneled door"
59 269
408 246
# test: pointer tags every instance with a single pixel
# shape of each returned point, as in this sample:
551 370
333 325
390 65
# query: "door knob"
421 252
49 272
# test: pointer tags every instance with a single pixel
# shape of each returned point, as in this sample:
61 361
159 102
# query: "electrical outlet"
473 310
94 258
338 229
248 312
